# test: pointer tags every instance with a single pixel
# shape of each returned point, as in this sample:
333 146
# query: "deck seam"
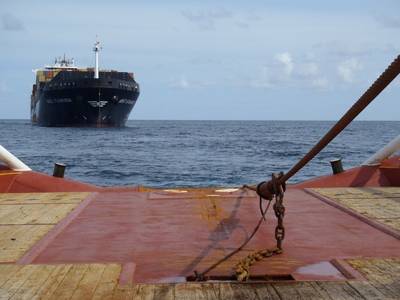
346 269
11 183
41 245
127 273
377 225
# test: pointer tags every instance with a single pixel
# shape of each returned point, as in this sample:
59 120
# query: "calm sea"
190 153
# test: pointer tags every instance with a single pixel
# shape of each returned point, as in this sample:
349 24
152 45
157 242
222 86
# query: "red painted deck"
168 236
387 174
60 243
161 236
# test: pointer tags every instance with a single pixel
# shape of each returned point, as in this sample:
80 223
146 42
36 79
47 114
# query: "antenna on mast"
96 50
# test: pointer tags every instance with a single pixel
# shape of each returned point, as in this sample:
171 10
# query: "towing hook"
265 190
268 189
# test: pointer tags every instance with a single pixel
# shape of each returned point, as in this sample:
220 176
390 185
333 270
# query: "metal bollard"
337 166
59 170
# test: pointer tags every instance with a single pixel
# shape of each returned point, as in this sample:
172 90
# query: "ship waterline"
65 95
98 107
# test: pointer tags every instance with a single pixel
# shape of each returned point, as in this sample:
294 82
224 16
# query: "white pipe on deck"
11 161
383 153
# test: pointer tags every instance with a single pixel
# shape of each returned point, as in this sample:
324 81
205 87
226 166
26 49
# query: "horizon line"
232 120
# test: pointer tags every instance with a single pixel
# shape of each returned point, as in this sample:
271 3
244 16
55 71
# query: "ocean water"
190 153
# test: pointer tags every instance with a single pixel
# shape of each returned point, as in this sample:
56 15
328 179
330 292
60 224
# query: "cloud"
282 71
11 22
348 68
309 74
277 71
206 19
286 60
181 83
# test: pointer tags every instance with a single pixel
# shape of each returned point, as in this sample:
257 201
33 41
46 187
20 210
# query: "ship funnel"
96 50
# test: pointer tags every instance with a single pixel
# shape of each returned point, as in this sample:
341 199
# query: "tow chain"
279 210
242 269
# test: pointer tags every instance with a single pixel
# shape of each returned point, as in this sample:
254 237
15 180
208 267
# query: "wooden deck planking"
89 282
70 282
17 239
26 218
382 274
379 204
124 293
235 291
367 290
202 291
108 282
16 280
163 291
47 290
339 291
42 198
144 292
34 214
100 281
30 287
266 292
360 192
6 271
308 291
286 291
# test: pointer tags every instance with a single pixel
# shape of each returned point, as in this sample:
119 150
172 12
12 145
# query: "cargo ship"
67 95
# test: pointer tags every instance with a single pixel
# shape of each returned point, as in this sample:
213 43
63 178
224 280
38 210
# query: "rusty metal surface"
242 268
122 241
168 235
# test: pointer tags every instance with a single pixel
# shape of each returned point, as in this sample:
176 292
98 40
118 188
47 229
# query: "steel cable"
373 91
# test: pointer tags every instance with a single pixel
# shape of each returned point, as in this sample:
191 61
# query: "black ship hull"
96 107
81 100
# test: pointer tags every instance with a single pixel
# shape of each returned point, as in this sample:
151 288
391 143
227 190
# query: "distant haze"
212 60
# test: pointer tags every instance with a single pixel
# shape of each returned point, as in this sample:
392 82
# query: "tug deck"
339 243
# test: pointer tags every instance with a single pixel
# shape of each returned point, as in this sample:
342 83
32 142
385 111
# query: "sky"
212 60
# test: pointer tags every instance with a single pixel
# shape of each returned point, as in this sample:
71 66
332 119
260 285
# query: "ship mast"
96 50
